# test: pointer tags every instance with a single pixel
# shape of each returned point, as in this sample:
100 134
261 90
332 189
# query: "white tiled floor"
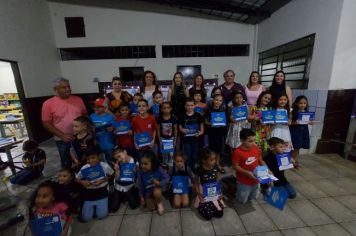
325 205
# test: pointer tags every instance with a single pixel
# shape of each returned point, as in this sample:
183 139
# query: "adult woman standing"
198 86
229 86
115 98
177 94
254 88
149 85
279 87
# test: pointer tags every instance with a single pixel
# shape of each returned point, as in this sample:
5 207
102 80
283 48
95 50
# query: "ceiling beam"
214 5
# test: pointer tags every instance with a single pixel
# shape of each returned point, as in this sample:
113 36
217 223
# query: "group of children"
148 152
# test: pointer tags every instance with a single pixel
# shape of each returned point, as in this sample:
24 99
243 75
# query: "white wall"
344 69
114 27
300 18
26 37
7 79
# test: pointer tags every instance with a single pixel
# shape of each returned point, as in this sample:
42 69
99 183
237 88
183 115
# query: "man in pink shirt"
58 114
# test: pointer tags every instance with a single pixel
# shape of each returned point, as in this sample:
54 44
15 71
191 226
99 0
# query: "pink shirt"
252 96
62 112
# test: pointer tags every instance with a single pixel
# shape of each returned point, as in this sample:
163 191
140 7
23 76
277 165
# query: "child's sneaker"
160 208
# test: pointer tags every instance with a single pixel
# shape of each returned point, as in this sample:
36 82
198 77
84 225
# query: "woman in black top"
177 94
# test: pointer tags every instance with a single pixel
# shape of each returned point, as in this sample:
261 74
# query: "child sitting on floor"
94 177
34 160
277 146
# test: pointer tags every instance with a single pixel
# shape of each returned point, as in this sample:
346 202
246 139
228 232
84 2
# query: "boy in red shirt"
245 159
144 122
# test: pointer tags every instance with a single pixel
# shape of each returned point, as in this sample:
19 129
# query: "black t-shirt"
207 176
35 157
195 119
81 145
219 130
271 161
167 127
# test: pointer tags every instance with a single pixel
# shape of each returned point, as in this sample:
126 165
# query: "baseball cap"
100 102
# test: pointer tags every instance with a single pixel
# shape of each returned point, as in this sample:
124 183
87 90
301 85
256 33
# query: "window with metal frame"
294 58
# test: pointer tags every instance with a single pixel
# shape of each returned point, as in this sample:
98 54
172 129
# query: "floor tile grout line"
275 224
243 225
122 220
334 197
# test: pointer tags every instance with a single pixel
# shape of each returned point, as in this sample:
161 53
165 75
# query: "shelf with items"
9 101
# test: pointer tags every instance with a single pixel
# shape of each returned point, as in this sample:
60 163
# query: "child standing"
167 130
192 127
277 147
152 179
103 123
125 141
233 134
282 130
94 178
262 131
299 132
157 101
207 181
180 176
83 139
200 107
216 134
47 201
125 189
70 189
34 160
144 122
134 104
245 159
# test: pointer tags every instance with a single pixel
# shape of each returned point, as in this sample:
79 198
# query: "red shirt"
140 124
124 140
248 160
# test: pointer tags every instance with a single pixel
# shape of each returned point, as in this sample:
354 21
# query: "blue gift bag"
180 184
93 173
155 110
268 116
122 127
127 173
134 109
305 117
281 116
218 119
192 129
167 146
143 139
198 110
211 191
148 178
240 113
277 197
284 161
47 226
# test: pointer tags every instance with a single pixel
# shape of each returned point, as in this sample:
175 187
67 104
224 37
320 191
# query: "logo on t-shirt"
167 129
149 126
250 160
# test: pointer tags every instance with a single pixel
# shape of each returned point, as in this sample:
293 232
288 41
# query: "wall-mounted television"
189 71
131 74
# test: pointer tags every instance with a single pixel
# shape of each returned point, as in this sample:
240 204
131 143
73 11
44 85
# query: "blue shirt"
101 123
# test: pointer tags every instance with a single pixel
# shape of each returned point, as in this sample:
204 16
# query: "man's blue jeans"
63 149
